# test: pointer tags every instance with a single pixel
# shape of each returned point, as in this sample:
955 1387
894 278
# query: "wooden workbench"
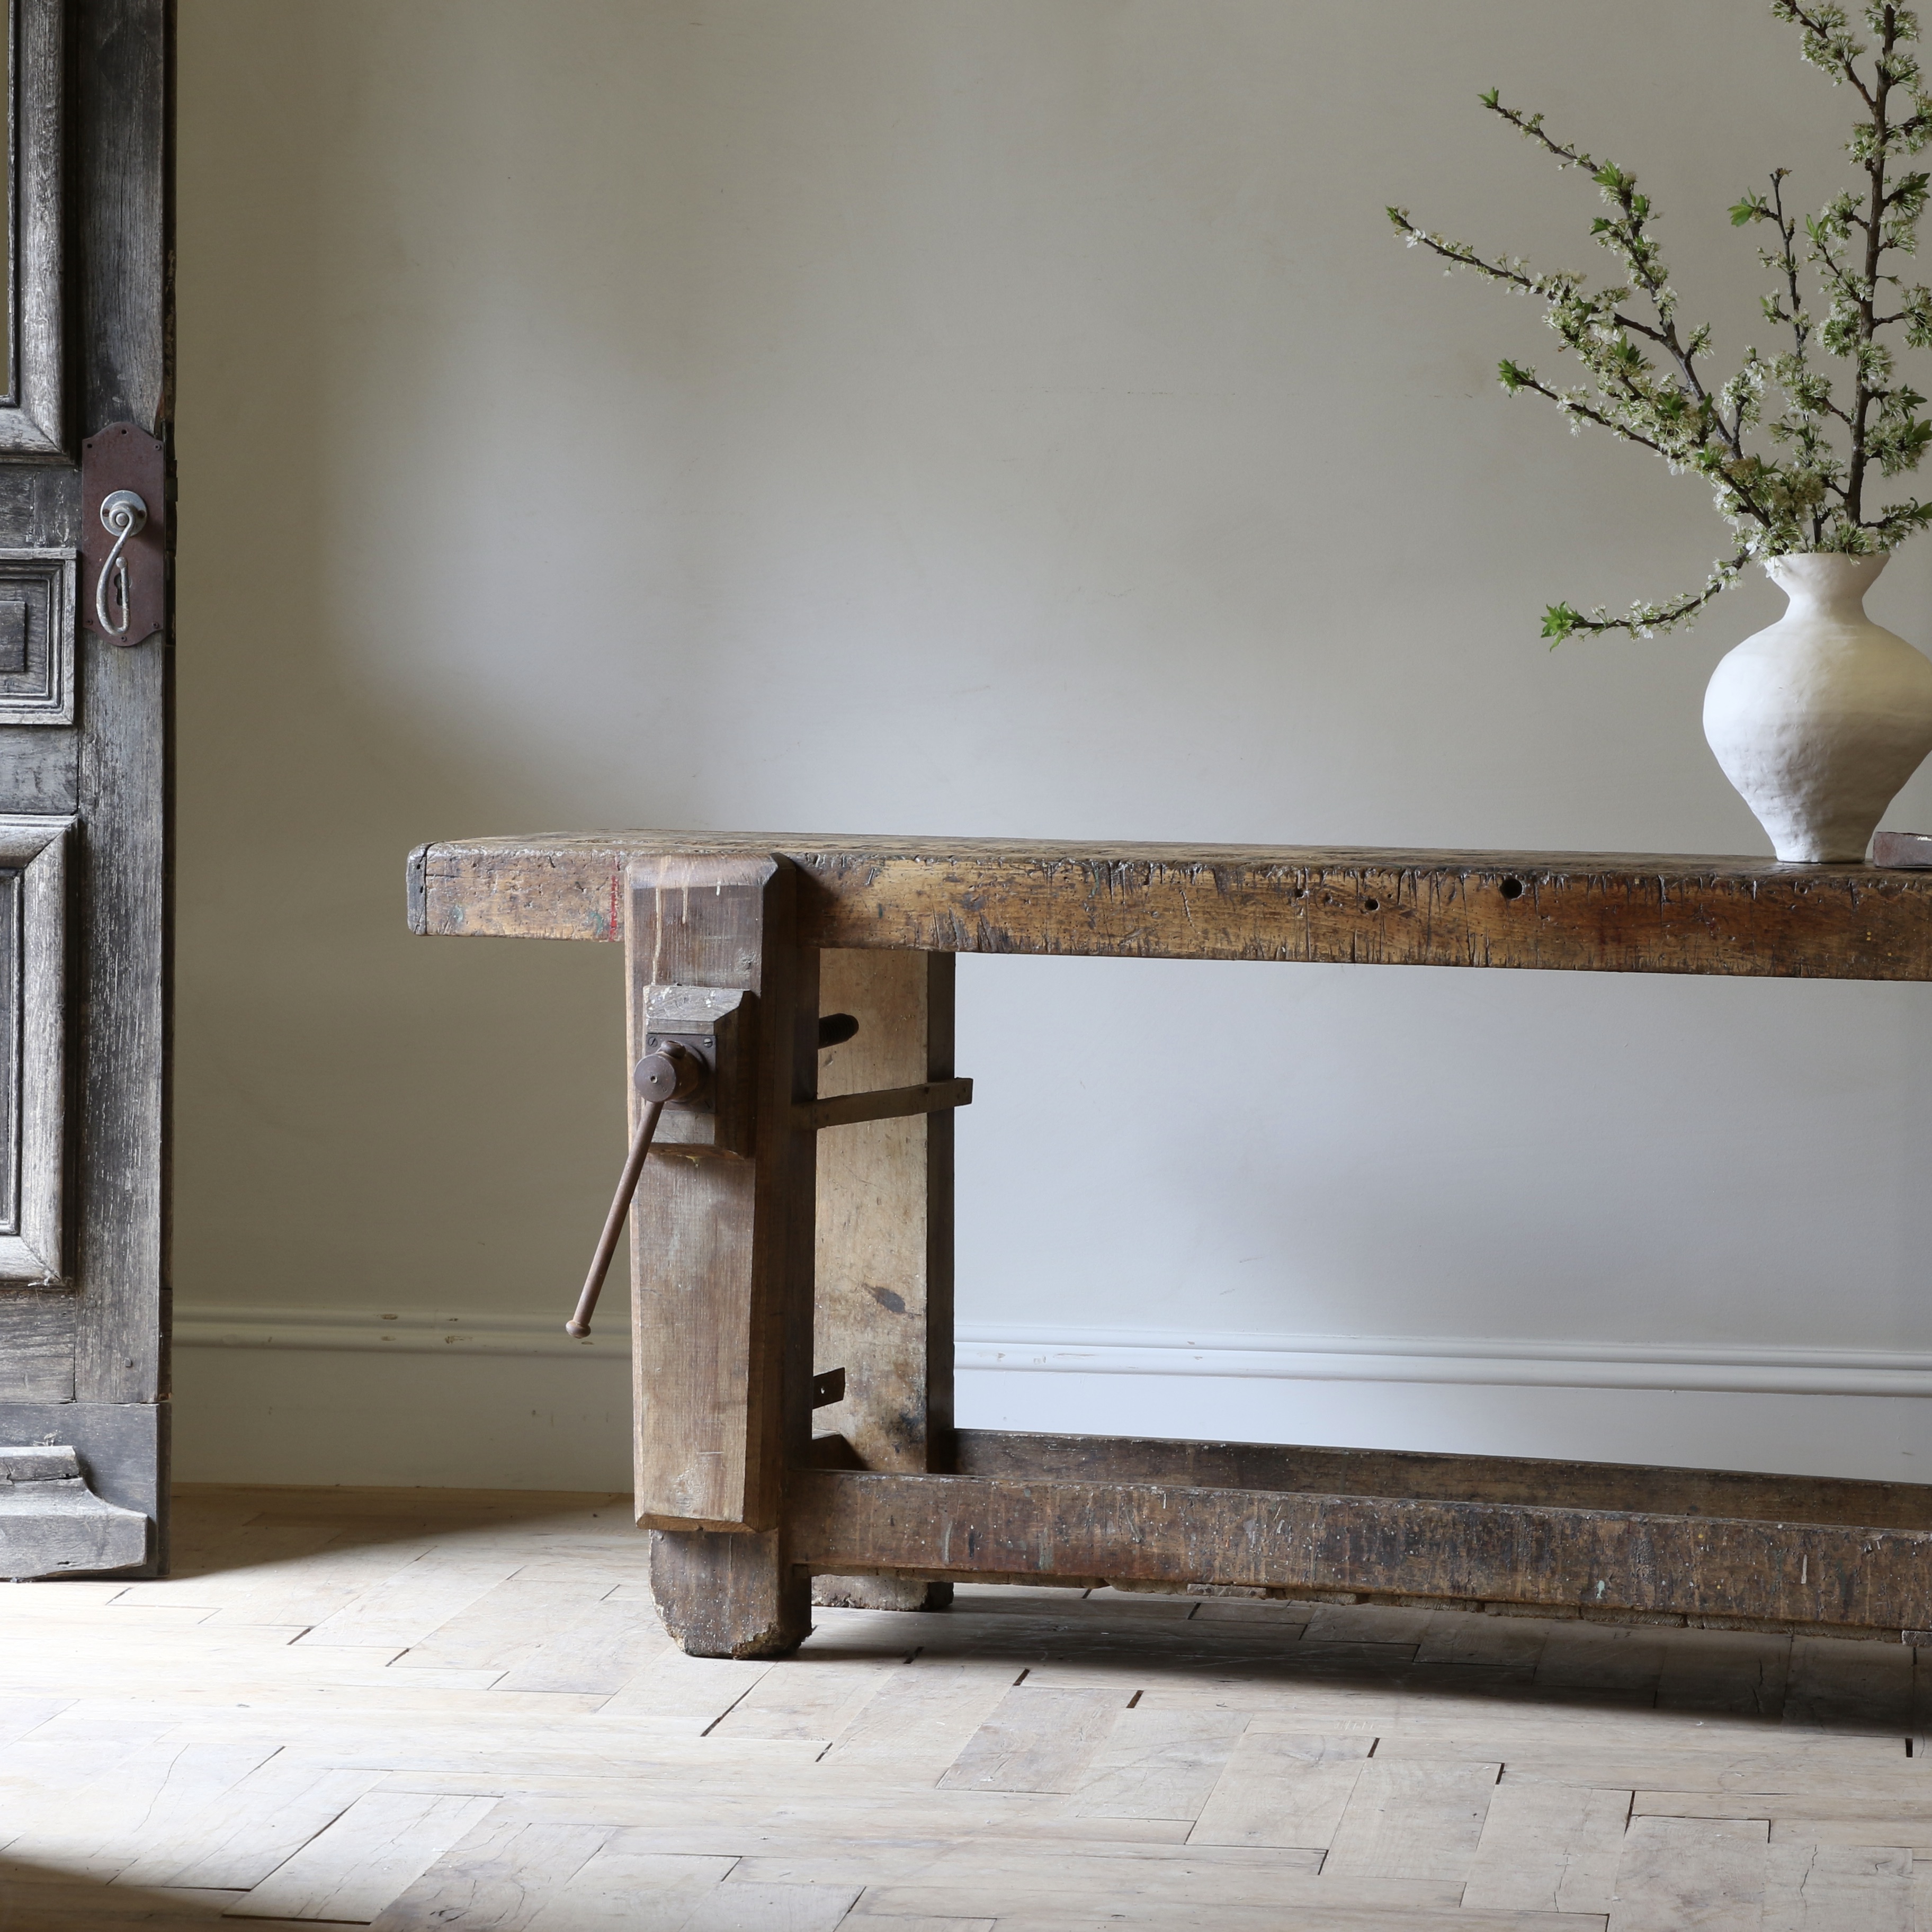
805 1271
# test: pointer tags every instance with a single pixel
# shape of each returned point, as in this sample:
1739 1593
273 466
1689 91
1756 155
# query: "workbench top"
1617 912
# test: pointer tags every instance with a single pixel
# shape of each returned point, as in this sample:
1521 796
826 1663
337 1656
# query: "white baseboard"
1418 1358
1009 1348
280 1395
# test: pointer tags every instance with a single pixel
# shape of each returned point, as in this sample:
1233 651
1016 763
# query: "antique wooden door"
85 727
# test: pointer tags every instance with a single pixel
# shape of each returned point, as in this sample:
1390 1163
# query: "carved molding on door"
33 972
33 419
37 635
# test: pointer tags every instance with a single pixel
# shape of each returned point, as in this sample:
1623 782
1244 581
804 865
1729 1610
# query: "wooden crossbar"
888 1103
1808 1574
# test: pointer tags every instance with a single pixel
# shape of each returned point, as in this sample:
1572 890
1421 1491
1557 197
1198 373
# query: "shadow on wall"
363 1118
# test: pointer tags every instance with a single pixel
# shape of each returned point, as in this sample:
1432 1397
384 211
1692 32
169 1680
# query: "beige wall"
996 416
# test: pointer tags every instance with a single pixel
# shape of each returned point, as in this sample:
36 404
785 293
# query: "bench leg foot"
879 1593
728 1594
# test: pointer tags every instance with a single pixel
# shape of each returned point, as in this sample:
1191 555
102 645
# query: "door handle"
124 535
123 514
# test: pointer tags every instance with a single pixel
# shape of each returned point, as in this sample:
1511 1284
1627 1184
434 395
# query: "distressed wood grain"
721 1257
1036 1741
1412 1820
1499 1479
1609 912
36 1345
939 1525
124 284
883 1292
1158 1764
376 1849
1837 1888
1549 1848
1685 1875
40 770
1281 1789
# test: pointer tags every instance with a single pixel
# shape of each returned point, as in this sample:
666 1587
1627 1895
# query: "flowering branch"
1799 480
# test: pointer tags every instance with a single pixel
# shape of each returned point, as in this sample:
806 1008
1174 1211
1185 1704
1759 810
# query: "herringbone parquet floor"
420 1709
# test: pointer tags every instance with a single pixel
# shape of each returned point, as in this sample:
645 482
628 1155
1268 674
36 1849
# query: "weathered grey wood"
1412 1819
1036 1741
1283 1789
52 1524
378 1848
123 1448
39 770
39 505
37 587
123 50
1834 1687
33 415
1675 1873
36 1345
883 1295
1549 1848
721 1261
1500 1479
1158 1764
33 1071
1809 1575
501 1875
1605 912
1811 1888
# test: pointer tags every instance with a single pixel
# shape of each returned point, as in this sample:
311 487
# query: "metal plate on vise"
714 1023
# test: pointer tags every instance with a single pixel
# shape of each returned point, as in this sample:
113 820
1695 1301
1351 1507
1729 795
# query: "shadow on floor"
39 1898
217 1528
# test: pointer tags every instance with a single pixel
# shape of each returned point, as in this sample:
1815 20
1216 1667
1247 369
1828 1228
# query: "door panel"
85 746
37 625
33 1060
33 415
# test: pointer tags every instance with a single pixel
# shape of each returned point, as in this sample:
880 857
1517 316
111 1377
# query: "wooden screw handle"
579 1324
672 1072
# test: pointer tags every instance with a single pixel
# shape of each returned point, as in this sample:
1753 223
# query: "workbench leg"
721 1269
884 1301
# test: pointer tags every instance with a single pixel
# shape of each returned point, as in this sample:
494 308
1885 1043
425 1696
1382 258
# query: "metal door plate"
122 457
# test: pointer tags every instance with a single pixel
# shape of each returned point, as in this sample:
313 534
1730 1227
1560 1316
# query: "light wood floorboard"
417 1709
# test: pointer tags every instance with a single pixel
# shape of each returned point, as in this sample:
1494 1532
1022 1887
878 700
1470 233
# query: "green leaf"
1559 621
1751 209
1489 99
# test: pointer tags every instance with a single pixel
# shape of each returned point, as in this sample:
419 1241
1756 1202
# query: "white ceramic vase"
1818 720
